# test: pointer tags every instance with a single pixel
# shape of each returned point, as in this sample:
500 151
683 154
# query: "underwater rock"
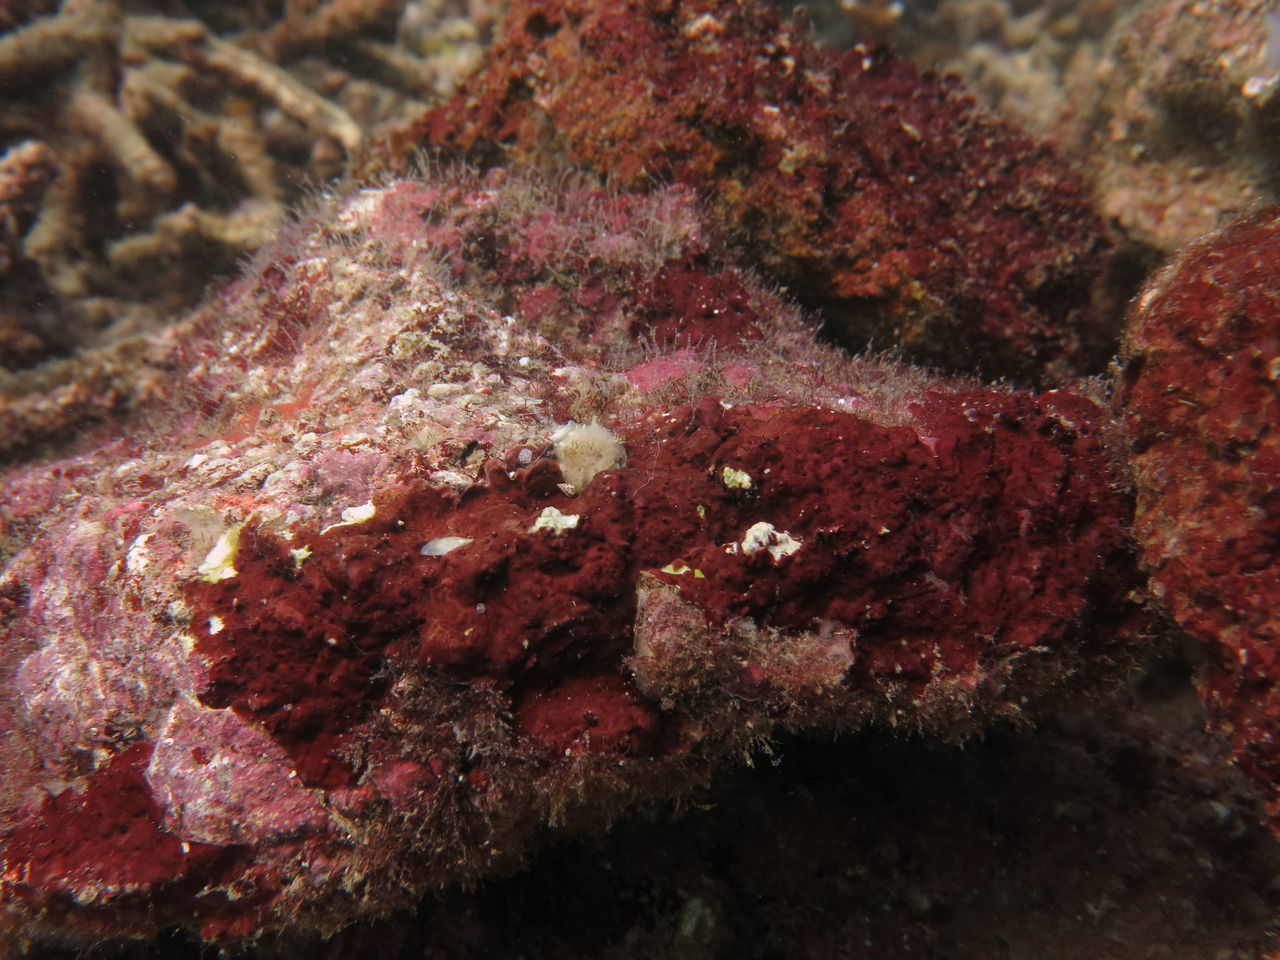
1198 398
913 218
330 627
1177 123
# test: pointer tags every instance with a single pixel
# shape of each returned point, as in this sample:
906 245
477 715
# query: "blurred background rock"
146 147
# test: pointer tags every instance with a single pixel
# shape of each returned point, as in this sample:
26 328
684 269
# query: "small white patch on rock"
765 536
584 450
553 520
442 545
220 563
353 516
139 557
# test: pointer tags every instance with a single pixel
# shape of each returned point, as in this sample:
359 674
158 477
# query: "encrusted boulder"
1199 399
382 583
886 197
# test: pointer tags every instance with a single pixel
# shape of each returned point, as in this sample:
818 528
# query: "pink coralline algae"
387 583
1199 401
885 197
592 269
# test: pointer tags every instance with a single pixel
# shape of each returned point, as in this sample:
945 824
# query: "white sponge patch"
584 450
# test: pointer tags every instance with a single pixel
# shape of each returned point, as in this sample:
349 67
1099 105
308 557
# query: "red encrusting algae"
941 550
502 504
885 197
103 863
106 842
418 616
1198 398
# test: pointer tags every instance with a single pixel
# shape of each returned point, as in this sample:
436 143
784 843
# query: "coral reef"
26 170
142 154
493 522
399 644
1199 402
1168 105
1177 123
886 197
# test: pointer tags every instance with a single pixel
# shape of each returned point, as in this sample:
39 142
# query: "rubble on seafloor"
145 150
1177 124
495 520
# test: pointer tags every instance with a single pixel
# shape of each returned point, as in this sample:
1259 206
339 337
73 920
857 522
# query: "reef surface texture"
1177 121
145 149
1199 401
496 505
885 197
318 620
